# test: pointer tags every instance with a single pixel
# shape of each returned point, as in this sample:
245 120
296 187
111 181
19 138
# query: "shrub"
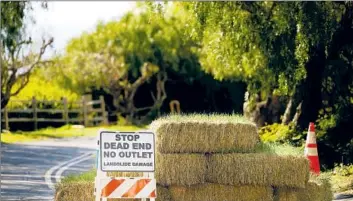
43 89
343 170
281 133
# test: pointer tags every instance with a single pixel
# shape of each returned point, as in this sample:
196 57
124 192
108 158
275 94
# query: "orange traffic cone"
311 150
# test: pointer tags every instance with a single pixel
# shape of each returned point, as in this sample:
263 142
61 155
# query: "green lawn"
62 132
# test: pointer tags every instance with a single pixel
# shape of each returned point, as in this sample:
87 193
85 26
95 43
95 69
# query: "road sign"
127 151
122 187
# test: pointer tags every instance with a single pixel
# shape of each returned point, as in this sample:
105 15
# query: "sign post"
125 152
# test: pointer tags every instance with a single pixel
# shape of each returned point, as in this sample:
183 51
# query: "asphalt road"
343 197
29 171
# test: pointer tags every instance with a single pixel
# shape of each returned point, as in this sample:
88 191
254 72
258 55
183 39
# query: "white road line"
48 174
62 169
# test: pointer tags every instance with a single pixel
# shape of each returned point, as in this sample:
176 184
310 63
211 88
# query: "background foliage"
207 55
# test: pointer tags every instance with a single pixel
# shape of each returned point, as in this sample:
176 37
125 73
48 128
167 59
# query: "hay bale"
258 169
286 194
204 133
163 194
83 191
80 191
180 169
318 190
217 192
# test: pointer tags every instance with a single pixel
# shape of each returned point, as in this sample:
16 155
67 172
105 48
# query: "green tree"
16 63
121 56
275 47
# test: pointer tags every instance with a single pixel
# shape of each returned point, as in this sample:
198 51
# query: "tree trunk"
161 95
288 112
297 114
4 100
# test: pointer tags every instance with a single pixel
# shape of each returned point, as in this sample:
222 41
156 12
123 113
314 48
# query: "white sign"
127 151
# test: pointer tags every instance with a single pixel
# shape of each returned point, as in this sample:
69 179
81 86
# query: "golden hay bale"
286 194
80 191
163 194
217 192
180 169
317 190
83 191
257 169
201 134
314 191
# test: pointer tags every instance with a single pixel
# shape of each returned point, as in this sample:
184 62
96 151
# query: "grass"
84 177
341 179
279 149
342 183
218 118
62 132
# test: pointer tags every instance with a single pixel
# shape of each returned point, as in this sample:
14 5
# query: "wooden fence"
86 112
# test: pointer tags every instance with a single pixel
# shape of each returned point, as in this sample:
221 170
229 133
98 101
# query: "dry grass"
180 169
163 194
258 169
80 191
316 190
204 133
83 191
216 192
287 194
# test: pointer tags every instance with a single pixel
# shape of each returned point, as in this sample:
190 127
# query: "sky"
64 20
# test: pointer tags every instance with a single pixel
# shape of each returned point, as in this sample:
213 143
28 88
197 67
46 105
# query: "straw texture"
216 192
180 169
202 134
314 191
258 169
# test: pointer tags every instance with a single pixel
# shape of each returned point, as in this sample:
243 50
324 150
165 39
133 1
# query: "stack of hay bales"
216 158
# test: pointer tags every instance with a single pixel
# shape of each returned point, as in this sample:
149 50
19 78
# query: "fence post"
6 117
84 107
104 115
66 111
34 107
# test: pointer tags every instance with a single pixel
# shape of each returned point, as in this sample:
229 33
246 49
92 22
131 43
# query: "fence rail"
87 112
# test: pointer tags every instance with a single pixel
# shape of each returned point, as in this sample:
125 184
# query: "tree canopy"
120 56
276 47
